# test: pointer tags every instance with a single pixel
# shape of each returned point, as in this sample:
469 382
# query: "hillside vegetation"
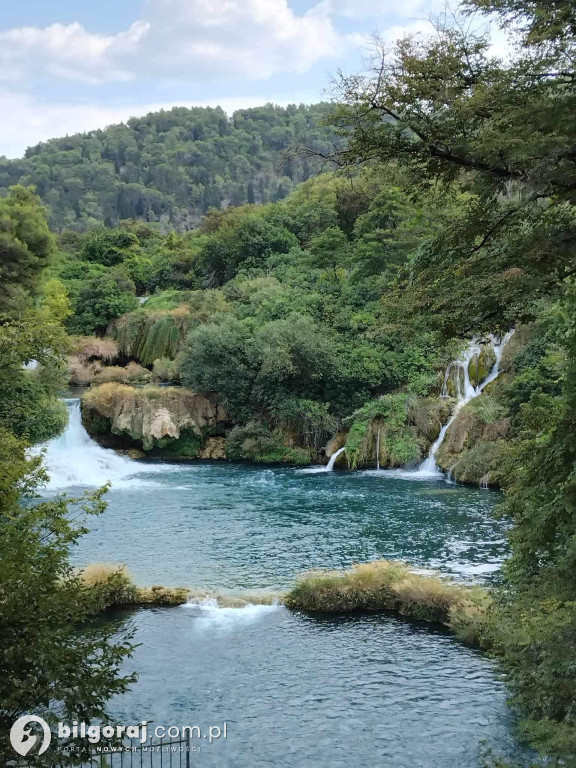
171 166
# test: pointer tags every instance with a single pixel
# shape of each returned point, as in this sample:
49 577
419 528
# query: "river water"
297 691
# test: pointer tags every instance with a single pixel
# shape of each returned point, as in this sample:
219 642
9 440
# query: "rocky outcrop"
171 420
214 448
393 431
481 364
472 449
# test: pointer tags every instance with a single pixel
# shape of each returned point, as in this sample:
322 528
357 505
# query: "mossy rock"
94 423
187 446
479 465
480 365
455 380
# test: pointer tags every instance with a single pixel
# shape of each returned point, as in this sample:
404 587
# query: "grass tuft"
389 585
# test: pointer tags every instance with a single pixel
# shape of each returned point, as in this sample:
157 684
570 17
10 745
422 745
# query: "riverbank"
461 430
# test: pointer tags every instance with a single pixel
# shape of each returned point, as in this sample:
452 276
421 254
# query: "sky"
75 65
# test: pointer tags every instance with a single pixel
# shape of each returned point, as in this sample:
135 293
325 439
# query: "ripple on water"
228 526
297 691
316 692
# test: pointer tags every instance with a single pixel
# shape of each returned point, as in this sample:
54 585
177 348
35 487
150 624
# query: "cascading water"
378 450
464 394
74 459
333 458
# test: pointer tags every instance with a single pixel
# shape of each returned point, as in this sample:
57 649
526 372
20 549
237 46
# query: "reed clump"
109 584
385 585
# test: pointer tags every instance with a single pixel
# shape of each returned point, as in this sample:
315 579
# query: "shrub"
309 420
255 442
112 584
94 348
164 369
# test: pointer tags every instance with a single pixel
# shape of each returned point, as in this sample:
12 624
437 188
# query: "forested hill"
172 165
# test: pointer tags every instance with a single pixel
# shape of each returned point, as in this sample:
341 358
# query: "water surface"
233 526
297 691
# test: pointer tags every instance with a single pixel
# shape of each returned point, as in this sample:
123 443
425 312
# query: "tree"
217 359
498 138
55 662
101 300
108 247
170 165
330 250
32 373
450 114
25 247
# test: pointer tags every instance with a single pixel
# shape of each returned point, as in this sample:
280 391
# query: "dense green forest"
334 306
170 167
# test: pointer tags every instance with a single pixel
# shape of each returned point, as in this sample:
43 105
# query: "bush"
165 369
255 442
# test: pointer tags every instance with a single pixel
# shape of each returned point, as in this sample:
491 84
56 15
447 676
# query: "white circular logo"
24 741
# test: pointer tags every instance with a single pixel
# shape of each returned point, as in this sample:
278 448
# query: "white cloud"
375 9
189 39
66 51
31 121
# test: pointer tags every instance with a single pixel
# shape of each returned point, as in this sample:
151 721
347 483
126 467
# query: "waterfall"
463 394
378 449
333 458
74 459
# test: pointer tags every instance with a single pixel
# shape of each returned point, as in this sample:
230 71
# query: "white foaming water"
328 468
211 615
463 396
74 459
333 458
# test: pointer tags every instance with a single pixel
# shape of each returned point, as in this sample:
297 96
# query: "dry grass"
116 587
92 347
82 374
131 374
388 585
97 574
105 397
